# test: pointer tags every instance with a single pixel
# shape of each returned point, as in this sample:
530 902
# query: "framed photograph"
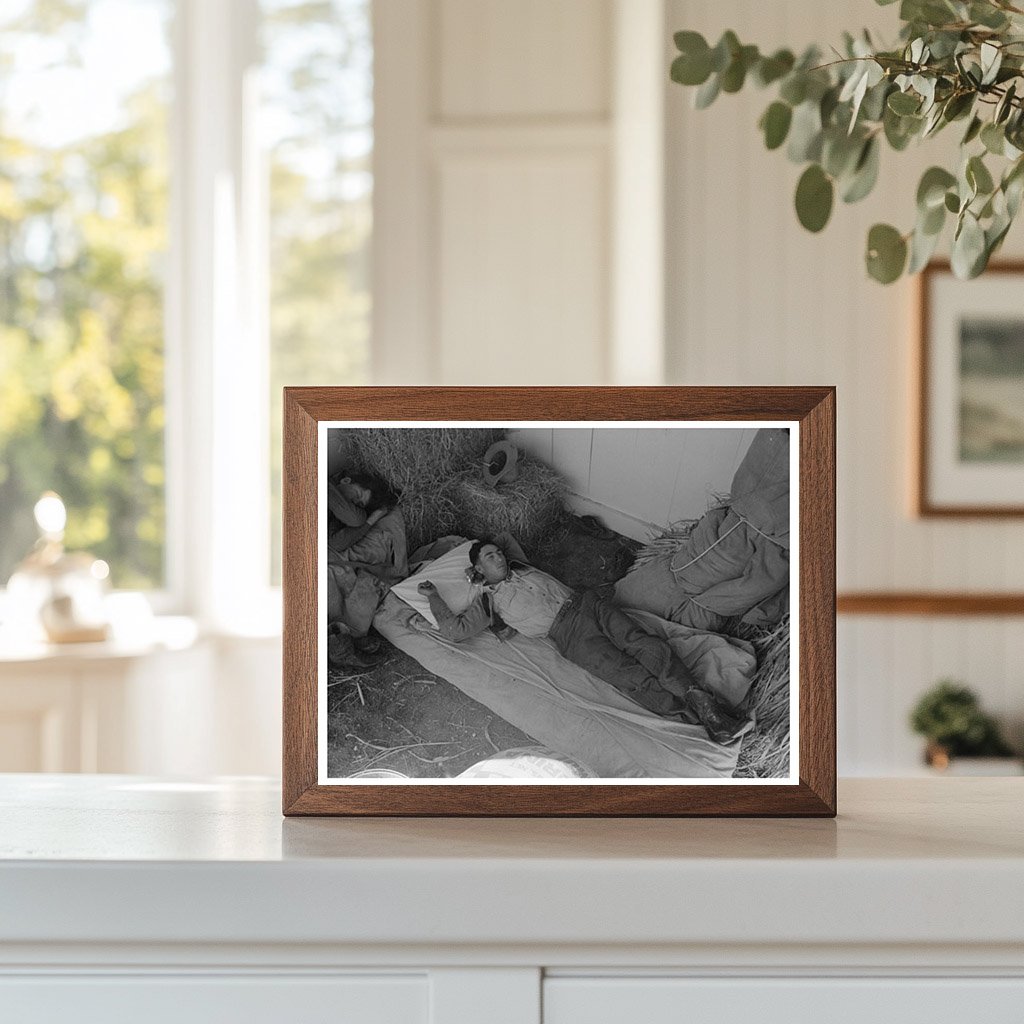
970 450
559 601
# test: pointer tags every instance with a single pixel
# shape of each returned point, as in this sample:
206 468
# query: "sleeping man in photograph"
586 629
366 549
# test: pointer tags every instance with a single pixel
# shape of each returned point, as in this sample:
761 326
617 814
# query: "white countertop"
124 859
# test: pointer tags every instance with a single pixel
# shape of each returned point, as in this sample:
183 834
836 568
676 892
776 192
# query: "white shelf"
124 859
913 897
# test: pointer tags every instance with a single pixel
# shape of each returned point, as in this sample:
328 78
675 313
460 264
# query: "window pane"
84 97
318 130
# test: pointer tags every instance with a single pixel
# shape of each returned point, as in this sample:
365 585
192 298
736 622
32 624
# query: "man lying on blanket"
588 630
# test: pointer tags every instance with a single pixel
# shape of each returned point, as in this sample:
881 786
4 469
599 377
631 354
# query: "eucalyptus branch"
833 117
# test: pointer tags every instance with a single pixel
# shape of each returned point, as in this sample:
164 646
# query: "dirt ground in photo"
396 715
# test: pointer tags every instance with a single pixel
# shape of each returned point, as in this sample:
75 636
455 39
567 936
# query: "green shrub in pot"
950 717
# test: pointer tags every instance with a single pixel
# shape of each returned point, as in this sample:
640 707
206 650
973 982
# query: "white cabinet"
173 704
202 999
42 719
126 899
100 708
824 1000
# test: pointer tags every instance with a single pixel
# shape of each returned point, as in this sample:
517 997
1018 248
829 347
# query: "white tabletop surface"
107 858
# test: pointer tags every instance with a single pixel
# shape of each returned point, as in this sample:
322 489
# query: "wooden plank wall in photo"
634 478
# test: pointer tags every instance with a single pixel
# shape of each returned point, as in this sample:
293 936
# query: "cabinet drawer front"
783 1001
202 999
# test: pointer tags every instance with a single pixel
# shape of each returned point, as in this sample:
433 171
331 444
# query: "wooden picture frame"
806 414
967 465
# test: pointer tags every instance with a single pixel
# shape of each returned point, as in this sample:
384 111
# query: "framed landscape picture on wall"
970 451
574 601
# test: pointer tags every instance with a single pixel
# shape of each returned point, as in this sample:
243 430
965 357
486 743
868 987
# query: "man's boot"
721 726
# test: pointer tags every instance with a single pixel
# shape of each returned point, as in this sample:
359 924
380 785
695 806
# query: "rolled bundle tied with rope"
500 463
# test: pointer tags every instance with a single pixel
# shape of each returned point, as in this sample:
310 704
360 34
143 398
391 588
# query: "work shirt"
528 600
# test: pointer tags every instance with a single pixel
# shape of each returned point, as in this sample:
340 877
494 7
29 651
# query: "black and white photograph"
556 602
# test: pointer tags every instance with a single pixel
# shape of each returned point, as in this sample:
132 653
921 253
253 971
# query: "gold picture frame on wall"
970 384
515 673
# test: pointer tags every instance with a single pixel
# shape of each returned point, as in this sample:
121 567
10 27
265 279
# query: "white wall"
635 479
509 137
754 299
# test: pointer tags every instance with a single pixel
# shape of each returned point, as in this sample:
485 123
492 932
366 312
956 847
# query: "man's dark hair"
381 496
478 546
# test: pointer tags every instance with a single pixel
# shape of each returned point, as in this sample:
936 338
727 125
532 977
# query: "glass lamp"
56 595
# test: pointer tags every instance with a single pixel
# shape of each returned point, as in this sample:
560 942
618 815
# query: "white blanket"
529 684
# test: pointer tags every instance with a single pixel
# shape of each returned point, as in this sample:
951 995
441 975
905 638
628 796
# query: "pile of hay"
765 752
527 507
665 542
437 473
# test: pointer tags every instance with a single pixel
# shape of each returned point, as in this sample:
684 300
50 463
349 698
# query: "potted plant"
950 717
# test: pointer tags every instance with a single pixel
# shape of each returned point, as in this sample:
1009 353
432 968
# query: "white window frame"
217 349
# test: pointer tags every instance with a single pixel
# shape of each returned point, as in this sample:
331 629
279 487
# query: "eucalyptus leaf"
922 247
944 44
1005 105
1013 187
775 124
805 133
771 69
828 104
858 76
794 88
978 176
840 152
690 71
958 105
930 12
886 253
873 106
991 60
968 247
993 138
934 121
865 174
995 233
987 15
931 190
932 221
903 103
689 42
854 92
1014 192
952 202
900 130
707 93
973 129
735 74
814 195
925 88
966 187
725 50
